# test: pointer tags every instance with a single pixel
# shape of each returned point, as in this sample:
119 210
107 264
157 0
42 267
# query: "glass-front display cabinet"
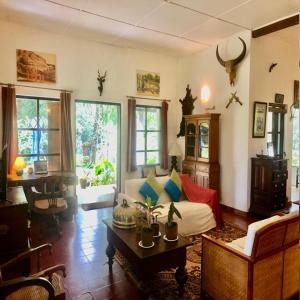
202 149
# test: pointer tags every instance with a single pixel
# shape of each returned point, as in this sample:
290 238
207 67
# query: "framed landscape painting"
147 83
259 119
35 66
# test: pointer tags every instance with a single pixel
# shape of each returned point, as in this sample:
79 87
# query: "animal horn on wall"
230 64
221 61
242 55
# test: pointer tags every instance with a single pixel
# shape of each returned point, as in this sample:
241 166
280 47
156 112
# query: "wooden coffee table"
147 262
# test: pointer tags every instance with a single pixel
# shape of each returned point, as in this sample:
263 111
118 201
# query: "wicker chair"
47 198
270 271
45 284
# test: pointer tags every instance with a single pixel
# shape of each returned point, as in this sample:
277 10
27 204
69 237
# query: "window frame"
37 129
146 107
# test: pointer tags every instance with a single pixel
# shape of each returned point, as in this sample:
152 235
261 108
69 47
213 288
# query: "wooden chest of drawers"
268 186
14 233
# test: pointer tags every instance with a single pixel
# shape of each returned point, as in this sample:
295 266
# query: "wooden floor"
82 249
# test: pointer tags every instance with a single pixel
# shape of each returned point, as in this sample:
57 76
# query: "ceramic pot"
171 231
155 228
83 183
147 236
124 215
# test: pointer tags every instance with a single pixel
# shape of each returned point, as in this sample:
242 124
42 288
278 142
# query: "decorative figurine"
101 80
187 109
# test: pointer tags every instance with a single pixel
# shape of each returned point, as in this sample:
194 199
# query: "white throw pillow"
252 229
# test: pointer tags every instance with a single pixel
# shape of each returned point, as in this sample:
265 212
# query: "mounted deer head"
230 65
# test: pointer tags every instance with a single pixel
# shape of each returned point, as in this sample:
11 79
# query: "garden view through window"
97 142
148 131
38 122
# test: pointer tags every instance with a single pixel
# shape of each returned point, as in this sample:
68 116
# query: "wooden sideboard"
14 232
268 186
202 150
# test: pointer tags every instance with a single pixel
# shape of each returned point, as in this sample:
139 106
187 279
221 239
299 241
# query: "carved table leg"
110 252
181 278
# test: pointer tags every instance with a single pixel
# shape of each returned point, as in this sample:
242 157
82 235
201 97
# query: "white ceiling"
175 27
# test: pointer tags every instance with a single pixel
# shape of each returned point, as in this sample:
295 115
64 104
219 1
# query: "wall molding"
234 210
282 24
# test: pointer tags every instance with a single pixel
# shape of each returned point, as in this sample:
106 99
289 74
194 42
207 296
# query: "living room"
176 40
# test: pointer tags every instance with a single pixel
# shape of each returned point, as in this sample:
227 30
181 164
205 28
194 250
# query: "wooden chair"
47 198
45 284
271 271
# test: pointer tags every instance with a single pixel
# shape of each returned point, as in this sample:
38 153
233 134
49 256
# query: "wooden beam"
285 23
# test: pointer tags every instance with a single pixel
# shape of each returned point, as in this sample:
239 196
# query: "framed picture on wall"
259 119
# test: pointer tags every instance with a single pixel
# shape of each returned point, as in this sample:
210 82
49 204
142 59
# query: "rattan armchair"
45 284
271 272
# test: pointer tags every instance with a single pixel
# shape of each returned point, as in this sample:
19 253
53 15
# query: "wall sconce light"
205 94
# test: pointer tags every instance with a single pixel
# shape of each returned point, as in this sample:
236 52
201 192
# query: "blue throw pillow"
151 188
173 187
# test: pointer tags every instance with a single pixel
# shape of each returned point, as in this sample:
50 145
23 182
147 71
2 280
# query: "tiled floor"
82 250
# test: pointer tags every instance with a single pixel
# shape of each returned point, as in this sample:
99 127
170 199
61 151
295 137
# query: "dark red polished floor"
82 249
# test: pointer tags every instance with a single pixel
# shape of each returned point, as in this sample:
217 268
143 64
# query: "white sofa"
196 217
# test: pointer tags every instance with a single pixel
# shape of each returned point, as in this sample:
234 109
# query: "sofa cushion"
196 217
132 187
151 188
252 229
173 187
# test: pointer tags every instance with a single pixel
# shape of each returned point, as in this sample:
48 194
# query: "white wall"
203 68
265 50
78 61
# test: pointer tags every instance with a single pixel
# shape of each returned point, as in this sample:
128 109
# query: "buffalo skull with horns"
230 65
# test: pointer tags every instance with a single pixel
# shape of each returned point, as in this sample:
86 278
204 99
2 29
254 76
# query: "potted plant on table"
171 227
150 212
84 180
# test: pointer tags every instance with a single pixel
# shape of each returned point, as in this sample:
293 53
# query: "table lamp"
19 165
174 152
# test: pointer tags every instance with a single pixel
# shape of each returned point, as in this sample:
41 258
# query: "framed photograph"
279 98
35 66
147 83
259 119
40 167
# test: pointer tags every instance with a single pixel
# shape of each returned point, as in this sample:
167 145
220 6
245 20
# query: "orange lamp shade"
19 165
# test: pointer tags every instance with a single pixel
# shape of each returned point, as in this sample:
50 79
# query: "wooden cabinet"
268 185
202 150
14 233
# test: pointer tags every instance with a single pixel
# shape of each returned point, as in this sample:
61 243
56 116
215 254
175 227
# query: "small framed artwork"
40 167
279 98
259 119
147 83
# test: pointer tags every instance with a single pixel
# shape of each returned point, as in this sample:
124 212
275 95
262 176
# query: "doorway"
97 151
295 156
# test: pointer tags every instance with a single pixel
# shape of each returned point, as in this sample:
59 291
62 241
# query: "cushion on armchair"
245 244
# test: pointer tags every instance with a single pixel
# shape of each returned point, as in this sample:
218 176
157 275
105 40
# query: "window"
38 121
147 135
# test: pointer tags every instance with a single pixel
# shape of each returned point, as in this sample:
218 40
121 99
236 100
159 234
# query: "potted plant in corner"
147 230
84 180
171 227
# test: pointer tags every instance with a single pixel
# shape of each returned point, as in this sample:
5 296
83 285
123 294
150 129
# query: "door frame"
119 144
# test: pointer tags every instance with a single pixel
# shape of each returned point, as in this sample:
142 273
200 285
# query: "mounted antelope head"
230 65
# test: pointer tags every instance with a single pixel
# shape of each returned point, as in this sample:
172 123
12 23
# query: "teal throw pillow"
151 188
173 187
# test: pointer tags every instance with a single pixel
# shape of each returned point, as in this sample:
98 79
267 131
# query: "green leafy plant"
171 212
104 172
150 209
